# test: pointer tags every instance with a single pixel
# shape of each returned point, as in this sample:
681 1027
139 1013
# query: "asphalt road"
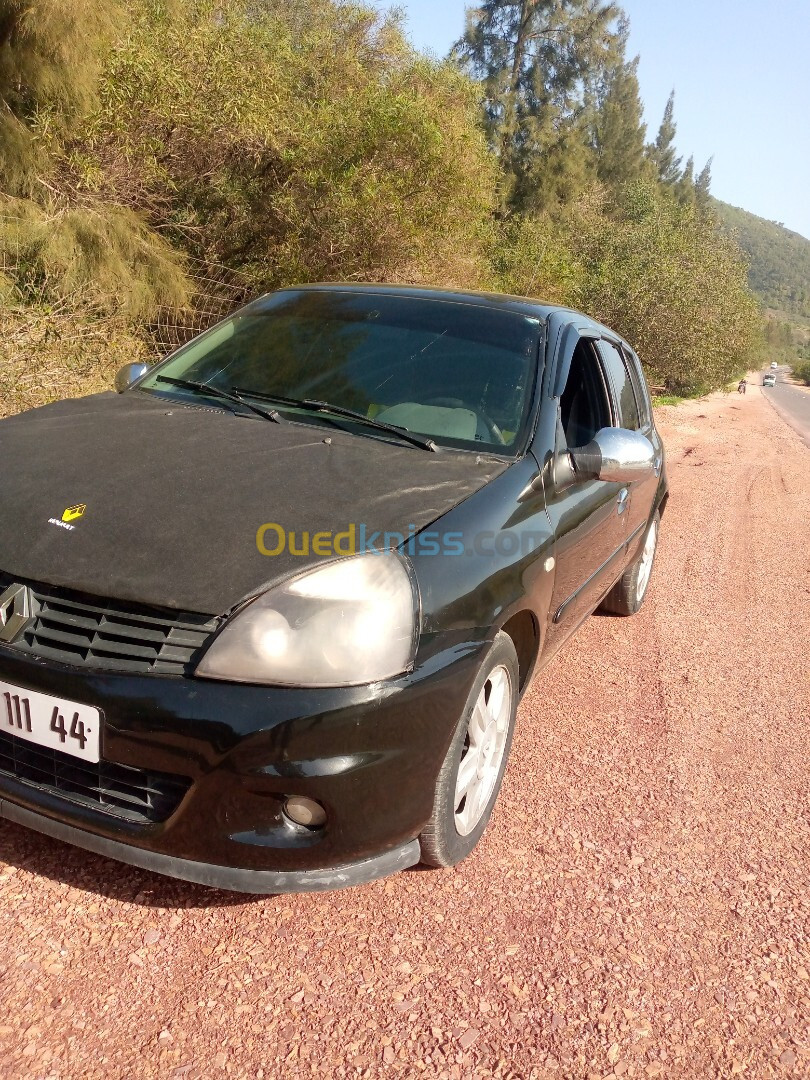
791 402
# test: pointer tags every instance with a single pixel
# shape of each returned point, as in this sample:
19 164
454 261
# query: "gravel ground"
638 907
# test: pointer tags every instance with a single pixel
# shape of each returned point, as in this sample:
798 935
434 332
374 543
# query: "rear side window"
616 367
642 395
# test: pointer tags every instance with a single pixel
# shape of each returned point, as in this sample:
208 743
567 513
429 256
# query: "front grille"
110 635
133 794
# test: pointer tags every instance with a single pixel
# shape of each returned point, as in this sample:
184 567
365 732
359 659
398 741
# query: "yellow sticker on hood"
74 512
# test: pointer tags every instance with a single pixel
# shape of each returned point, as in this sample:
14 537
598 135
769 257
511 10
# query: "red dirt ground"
639 906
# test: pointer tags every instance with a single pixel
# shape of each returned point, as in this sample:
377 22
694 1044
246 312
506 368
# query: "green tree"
668 279
619 133
703 187
662 152
684 186
657 271
539 62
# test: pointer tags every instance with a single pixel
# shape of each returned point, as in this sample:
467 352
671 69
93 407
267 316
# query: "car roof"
521 305
524 305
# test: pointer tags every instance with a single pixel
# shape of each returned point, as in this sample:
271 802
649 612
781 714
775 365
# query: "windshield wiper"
339 410
214 391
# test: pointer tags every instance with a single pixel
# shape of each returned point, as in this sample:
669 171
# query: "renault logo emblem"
16 612
73 513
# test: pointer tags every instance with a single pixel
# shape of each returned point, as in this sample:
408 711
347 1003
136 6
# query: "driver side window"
584 406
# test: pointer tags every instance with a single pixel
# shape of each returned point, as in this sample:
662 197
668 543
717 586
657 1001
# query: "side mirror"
614 454
127 375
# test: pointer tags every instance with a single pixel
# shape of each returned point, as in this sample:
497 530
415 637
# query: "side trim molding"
558 614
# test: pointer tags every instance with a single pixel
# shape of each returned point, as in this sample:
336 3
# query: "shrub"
103 258
658 272
296 143
50 54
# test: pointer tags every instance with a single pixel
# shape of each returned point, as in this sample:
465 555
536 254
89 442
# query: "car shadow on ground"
24 849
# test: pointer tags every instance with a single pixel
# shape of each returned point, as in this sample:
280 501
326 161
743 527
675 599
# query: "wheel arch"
522 627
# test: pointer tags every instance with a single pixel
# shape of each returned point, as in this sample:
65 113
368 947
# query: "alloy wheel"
483 750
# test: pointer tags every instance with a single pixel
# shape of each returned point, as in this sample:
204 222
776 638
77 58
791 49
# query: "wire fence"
56 346
218 291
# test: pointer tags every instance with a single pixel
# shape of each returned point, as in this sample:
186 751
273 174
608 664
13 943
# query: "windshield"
459 373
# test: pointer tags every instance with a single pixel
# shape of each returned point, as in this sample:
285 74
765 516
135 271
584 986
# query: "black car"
266 613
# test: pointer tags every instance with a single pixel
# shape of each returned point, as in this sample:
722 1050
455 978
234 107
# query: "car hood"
174 496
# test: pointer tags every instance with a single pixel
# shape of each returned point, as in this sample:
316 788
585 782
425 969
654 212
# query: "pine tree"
684 186
662 152
618 135
703 185
539 62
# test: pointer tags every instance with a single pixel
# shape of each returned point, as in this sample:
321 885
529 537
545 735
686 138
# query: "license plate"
49 721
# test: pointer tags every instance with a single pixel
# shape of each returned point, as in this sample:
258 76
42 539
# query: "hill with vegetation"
162 159
779 271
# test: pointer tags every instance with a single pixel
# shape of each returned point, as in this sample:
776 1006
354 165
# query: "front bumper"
221 877
370 755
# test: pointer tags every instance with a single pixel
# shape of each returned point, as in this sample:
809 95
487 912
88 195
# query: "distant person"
741 386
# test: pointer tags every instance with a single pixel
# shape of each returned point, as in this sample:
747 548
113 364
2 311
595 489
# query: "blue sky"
741 75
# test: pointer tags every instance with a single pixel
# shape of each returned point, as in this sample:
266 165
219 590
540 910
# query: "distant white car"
769 380
774 364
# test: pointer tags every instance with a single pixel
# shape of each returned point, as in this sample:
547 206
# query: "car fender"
498 560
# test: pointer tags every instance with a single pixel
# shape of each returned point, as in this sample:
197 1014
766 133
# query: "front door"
588 516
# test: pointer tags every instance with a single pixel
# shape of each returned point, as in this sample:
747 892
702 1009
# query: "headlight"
343 624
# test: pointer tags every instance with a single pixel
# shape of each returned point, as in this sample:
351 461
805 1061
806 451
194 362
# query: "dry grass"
63 350
47 354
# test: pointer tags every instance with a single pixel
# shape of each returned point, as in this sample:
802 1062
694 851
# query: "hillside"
780 261
155 149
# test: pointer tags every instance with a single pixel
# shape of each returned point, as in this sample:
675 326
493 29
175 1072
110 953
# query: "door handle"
621 501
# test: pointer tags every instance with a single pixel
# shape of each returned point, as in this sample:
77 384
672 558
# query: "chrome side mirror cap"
614 454
127 375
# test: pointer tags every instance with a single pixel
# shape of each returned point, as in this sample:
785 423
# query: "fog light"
305 812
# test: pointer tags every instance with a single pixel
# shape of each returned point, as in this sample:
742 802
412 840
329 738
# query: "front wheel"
627 595
470 777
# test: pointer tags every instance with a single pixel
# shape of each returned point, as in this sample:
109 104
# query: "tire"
627 595
459 818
